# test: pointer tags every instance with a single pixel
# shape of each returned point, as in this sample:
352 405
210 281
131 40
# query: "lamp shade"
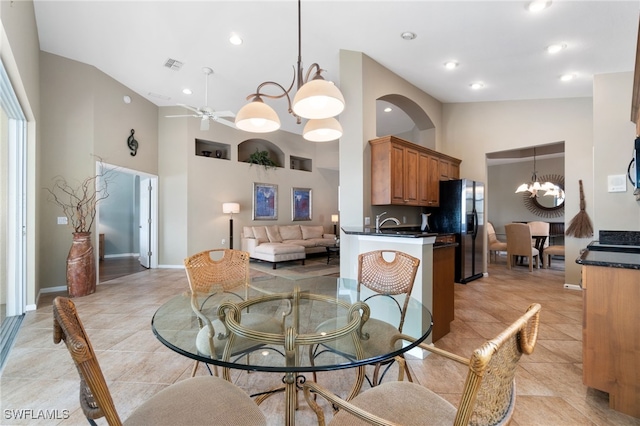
318 99
257 117
230 208
334 218
325 130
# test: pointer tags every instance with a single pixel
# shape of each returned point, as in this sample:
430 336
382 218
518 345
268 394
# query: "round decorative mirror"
549 203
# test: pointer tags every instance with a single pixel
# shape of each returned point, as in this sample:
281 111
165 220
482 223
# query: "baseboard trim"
572 287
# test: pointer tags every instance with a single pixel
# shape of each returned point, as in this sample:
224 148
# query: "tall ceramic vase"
81 266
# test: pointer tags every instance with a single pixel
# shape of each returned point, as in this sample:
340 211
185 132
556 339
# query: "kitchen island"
415 243
611 316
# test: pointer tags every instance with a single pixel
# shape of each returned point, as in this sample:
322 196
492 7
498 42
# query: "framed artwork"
301 205
265 201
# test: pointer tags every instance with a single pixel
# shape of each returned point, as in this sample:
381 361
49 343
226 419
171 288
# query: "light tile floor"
40 375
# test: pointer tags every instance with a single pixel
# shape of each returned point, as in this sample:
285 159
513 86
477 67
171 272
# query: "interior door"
145 222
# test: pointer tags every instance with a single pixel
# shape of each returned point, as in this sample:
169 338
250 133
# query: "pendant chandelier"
317 100
534 186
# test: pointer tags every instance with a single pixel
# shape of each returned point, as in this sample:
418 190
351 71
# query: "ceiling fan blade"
204 123
225 122
185 115
224 114
194 109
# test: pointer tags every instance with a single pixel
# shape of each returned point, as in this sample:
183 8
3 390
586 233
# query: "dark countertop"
614 256
387 232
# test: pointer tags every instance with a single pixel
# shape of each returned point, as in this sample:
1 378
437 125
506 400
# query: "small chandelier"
317 100
534 186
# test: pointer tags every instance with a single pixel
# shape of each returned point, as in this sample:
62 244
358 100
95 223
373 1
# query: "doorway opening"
127 224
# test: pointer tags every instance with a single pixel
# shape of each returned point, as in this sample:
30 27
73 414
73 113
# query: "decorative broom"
580 226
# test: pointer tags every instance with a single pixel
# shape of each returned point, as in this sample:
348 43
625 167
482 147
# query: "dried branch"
79 202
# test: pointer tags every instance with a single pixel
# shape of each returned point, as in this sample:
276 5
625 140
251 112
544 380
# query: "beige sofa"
281 243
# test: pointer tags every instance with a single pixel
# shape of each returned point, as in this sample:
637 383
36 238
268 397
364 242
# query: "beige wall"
499 126
613 135
86 117
192 219
19 52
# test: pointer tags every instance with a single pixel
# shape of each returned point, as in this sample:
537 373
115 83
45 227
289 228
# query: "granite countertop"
610 255
387 232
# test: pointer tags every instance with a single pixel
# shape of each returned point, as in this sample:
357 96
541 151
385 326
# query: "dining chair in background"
386 278
214 276
488 396
554 250
190 401
519 244
539 231
493 243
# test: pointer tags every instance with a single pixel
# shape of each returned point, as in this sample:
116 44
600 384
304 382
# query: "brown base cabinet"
443 287
610 336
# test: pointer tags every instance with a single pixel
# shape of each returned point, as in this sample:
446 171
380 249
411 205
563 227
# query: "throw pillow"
290 232
309 232
247 232
260 233
273 234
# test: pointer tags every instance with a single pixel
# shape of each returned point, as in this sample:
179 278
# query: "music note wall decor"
133 144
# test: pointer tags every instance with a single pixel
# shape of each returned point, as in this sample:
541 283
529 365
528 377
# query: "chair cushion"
257 322
198 401
404 403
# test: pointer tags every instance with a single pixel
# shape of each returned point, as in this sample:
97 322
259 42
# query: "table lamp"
334 219
230 208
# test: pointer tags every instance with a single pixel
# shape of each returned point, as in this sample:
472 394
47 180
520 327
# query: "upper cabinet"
403 173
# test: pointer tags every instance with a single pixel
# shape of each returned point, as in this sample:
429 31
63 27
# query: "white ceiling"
499 43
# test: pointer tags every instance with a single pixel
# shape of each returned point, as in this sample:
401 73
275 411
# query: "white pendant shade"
318 99
257 117
325 130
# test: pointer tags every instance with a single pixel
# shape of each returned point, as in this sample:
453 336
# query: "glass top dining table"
320 299
343 314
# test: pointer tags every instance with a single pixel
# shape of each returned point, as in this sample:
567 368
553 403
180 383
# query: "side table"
333 251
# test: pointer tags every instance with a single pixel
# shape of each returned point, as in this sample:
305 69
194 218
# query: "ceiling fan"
206 113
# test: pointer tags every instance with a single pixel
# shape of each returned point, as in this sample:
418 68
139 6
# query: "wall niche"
205 148
248 147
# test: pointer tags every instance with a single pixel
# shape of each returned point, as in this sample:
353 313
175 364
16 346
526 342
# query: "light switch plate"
617 183
62 220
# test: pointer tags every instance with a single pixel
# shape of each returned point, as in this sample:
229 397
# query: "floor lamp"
334 219
230 208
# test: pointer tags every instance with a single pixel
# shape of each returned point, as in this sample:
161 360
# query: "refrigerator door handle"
475 223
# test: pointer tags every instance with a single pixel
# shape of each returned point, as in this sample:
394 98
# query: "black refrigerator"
461 212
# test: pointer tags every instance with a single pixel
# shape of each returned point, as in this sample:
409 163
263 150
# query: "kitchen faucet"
379 224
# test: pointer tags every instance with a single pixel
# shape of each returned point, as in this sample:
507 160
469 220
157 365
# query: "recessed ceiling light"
538 5
476 86
187 91
235 39
450 65
567 77
387 109
408 35
126 99
555 48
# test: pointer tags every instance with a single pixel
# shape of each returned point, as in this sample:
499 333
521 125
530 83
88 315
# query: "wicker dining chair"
493 243
200 400
488 396
387 278
215 276
519 244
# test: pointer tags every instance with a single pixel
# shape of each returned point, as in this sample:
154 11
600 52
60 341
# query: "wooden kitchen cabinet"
406 174
448 169
610 348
